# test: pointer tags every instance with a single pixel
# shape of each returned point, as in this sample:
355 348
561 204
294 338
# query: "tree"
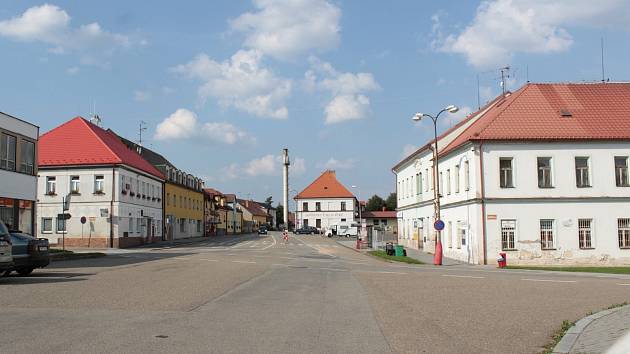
268 202
279 214
375 203
391 202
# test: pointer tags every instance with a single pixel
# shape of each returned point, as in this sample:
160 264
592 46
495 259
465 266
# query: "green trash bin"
400 250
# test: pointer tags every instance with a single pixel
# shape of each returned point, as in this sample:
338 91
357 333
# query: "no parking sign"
438 225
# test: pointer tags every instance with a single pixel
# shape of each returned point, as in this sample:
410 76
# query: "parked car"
343 229
307 230
262 230
28 253
6 258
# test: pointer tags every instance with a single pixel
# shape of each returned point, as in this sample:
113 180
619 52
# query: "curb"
348 247
568 340
75 256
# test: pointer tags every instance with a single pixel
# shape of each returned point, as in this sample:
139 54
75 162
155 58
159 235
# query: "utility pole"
285 186
143 127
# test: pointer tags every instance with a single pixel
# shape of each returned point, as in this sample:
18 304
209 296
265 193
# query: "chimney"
383 208
247 203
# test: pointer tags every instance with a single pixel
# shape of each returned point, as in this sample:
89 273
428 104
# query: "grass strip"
404 259
609 270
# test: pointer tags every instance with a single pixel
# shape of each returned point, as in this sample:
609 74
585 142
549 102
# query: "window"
546 234
441 185
305 206
305 223
51 186
623 230
383 221
61 225
449 239
7 152
168 198
456 176
448 181
99 184
198 225
544 172
46 225
508 234
27 157
426 185
343 206
585 233
462 236
75 185
581 172
420 183
139 225
130 225
466 175
318 223
621 171
506 172
318 206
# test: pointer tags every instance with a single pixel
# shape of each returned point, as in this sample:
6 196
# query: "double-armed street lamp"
439 224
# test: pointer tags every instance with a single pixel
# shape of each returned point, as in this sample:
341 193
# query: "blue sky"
334 81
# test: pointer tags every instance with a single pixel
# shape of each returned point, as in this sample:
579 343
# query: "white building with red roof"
325 202
540 174
112 189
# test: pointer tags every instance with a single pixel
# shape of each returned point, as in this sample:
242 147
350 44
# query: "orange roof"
553 112
325 186
79 142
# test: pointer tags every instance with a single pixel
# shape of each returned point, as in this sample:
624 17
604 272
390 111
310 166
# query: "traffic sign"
64 216
438 225
83 220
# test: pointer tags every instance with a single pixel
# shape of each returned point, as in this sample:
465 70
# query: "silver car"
6 259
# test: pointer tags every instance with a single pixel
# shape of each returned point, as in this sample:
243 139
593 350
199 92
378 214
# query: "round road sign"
83 220
438 225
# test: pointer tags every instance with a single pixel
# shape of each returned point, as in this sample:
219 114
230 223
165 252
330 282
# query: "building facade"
538 174
18 173
325 202
214 204
112 196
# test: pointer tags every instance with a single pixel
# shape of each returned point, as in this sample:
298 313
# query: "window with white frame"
466 175
75 185
51 186
508 235
61 225
47 225
440 188
623 231
448 181
544 172
462 235
506 172
426 186
547 240
582 179
420 182
585 233
99 184
621 171
456 176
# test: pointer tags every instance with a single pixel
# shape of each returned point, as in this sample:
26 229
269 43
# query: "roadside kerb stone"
571 336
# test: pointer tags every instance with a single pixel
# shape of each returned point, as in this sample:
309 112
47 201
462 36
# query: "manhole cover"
161 336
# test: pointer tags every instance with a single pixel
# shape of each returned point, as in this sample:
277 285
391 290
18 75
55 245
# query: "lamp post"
359 195
437 260
295 227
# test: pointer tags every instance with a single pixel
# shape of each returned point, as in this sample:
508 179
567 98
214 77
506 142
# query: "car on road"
262 230
29 253
6 258
307 230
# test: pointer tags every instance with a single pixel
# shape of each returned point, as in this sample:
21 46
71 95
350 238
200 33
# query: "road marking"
551 281
333 269
386 272
462 276
250 262
622 284
208 260
271 245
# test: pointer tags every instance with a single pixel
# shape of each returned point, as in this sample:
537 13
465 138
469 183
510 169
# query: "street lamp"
296 211
437 260
359 195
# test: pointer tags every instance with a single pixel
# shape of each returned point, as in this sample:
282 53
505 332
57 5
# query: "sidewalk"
412 253
607 331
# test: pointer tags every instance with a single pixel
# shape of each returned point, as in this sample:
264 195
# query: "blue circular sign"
438 225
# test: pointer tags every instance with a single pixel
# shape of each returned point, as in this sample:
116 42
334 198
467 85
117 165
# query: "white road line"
551 281
208 260
249 262
386 272
462 276
622 284
271 245
333 269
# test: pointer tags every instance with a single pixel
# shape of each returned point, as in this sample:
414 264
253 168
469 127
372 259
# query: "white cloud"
50 24
141 96
240 82
72 70
502 28
184 124
286 29
334 164
450 119
347 89
268 165
408 149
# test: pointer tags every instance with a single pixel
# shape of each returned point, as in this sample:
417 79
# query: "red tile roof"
325 186
252 207
79 142
212 191
379 214
555 112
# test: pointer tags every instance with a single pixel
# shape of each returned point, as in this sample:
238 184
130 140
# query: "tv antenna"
505 74
143 127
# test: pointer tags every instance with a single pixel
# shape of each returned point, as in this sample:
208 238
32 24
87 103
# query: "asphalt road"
256 294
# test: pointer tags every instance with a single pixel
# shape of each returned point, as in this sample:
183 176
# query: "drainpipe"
111 209
483 205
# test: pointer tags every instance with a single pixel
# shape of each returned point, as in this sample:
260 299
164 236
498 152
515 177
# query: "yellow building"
183 207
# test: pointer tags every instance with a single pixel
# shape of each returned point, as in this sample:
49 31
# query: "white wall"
330 213
17 185
19 126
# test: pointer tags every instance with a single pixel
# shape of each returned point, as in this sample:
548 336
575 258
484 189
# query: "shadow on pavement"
116 260
42 277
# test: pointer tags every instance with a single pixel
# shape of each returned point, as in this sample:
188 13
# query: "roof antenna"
95 119
602 46
505 73
143 127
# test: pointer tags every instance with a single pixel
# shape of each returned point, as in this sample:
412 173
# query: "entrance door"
305 223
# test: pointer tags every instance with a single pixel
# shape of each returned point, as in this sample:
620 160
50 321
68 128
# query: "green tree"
279 214
391 201
375 203
268 202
